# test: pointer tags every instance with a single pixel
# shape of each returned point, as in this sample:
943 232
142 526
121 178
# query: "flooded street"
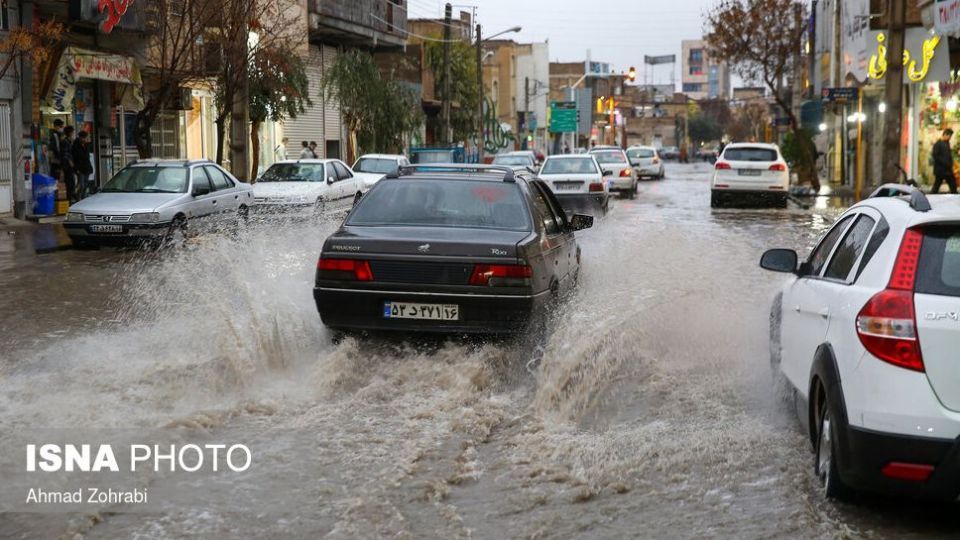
652 412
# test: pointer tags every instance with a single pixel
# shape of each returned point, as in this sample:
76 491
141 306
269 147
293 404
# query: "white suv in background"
750 170
866 333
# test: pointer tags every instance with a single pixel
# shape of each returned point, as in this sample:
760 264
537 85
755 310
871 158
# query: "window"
200 180
742 153
149 180
294 172
692 87
939 271
819 256
876 240
217 178
850 249
544 212
696 55
342 172
569 166
610 156
696 69
554 204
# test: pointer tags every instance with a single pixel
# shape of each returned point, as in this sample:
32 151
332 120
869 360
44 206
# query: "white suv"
867 336
750 170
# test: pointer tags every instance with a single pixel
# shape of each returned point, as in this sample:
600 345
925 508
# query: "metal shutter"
308 126
331 109
6 160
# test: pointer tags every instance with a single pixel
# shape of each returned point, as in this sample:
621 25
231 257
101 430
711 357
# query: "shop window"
165 134
4 15
332 149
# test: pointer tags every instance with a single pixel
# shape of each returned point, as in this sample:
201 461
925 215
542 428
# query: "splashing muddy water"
650 414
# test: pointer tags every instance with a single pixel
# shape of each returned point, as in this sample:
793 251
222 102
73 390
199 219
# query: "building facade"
702 76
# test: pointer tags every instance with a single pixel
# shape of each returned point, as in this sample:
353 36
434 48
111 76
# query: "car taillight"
501 274
887 325
722 165
596 186
625 173
778 167
656 160
345 269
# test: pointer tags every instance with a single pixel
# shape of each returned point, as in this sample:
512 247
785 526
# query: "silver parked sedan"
157 199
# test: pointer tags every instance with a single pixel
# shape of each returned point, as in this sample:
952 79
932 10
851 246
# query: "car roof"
897 210
570 156
642 147
752 145
606 149
382 156
308 161
516 153
151 162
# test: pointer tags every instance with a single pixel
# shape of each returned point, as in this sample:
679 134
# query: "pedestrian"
280 152
943 163
66 163
305 152
566 149
53 148
313 149
83 165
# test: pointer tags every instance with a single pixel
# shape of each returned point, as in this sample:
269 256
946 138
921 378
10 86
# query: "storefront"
938 108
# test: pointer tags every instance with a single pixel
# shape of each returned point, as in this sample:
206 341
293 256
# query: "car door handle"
214 201
824 312
796 308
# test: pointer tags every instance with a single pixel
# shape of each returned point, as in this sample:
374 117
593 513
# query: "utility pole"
447 136
893 94
480 141
526 113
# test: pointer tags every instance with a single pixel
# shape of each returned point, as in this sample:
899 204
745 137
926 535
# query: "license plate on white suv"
106 228
408 310
749 172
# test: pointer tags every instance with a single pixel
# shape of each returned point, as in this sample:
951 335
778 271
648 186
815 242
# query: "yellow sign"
878 62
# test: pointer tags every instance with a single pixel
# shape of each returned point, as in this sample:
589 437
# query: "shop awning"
77 63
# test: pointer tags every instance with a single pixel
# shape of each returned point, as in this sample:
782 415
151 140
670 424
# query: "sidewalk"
38 237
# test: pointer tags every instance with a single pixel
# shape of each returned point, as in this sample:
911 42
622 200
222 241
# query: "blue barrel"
44 194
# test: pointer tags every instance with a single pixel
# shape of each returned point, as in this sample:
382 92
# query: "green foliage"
379 110
796 146
704 129
464 92
279 88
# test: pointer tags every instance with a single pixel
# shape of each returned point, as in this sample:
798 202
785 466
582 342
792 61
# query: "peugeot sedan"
156 200
623 178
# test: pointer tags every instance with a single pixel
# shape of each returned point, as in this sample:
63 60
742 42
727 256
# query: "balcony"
368 24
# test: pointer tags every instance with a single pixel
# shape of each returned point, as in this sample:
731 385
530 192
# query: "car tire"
715 200
177 233
633 192
319 207
825 463
357 197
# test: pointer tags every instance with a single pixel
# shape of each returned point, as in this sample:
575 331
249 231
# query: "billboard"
664 59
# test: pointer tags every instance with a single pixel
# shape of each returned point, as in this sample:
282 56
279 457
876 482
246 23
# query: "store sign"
946 17
855 25
77 63
598 69
110 14
924 57
844 94
114 10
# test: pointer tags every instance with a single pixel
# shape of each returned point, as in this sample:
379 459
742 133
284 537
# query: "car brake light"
596 186
914 472
625 173
656 160
501 274
887 324
778 167
345 269
722 165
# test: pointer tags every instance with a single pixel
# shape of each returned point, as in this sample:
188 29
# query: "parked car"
516 160
471 249
670 152
371 168
578 182
646 162
750 170
623 178
153 200
306 187
866 333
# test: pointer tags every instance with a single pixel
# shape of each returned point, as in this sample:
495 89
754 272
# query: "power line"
411 34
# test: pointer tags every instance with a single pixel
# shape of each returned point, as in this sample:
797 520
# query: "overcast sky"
620 32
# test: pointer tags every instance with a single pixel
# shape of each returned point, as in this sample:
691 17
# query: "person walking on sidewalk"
943 163
66 163
54 145
83 165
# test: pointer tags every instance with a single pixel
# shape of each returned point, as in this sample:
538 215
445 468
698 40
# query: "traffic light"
600 102
632 74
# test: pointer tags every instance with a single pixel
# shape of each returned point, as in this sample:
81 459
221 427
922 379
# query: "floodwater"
651 414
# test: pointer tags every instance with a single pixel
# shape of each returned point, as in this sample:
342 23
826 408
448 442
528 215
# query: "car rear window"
443 203
939 270
520 161
569 166
749 154
613 156
640 153
294 172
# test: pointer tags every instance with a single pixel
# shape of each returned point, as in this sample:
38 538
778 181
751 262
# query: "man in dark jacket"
55 148
82 164
66 163
943 163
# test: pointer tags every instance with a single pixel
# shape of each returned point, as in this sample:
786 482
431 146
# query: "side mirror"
780 260
607 172
580 222
199 191
330 180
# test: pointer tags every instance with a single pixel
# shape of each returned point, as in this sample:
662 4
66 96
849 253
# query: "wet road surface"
652 412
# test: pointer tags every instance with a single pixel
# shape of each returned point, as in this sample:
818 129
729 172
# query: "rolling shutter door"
6 160
331 108
308 126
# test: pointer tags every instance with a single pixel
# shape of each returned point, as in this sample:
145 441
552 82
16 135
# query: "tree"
748 122
35 45
379 111
760 39
464 93
279 89
704 129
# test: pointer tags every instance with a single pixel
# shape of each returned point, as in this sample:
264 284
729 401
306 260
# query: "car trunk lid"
425 243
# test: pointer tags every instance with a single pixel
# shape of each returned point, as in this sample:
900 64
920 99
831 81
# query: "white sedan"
578 181
306 186
371 168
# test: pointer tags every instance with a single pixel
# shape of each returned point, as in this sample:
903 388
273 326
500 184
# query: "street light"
480 41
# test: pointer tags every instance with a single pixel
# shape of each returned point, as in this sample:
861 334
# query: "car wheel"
357 197
825 464
319 207
177 233
715 200
243 216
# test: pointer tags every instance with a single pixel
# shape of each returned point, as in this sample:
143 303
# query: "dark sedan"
452 249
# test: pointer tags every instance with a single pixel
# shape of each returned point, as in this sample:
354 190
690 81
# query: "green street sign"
563 116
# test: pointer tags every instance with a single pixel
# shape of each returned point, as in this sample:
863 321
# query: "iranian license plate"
749 172
106 228
567 186
408 310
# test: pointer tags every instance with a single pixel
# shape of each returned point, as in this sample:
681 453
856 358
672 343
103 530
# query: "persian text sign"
79 63
946 16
